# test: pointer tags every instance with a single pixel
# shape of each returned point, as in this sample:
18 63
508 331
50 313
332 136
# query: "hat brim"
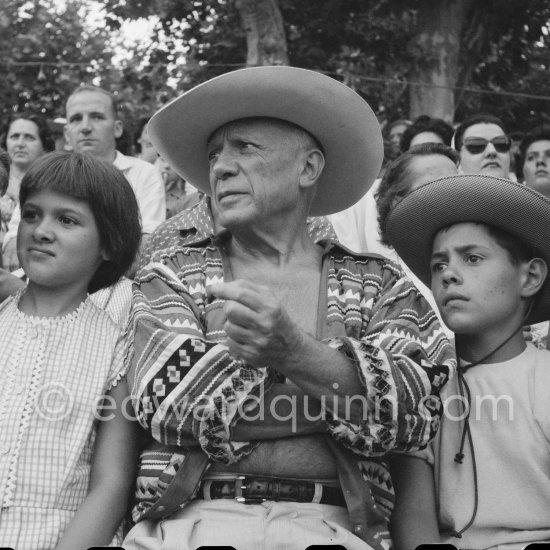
342 122
519 210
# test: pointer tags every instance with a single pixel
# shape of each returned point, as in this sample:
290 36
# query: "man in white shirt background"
93 127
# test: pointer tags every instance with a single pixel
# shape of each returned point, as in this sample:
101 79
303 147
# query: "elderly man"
275 373
93 127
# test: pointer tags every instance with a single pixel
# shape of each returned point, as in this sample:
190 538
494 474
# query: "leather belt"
255 490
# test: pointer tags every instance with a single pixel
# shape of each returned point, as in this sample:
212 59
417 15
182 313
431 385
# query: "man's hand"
259 330
260 333
9 256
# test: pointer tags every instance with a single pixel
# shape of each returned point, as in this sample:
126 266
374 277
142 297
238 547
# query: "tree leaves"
372 45
45 52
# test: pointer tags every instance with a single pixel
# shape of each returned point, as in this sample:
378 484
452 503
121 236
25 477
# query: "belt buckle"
239 487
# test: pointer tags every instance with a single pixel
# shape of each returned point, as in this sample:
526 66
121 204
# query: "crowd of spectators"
213 299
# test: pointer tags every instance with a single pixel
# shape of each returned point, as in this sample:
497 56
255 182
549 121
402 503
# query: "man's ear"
119 127
68 144
312 167
534 275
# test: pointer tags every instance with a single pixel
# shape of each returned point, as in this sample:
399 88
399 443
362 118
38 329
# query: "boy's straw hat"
342 122
502 203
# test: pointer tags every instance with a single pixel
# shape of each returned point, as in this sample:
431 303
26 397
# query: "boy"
484 244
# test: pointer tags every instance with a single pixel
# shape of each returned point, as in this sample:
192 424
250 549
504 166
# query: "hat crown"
340 120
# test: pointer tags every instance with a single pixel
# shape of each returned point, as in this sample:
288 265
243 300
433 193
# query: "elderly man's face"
91 124
255 166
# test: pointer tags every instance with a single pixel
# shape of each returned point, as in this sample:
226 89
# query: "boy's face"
476 286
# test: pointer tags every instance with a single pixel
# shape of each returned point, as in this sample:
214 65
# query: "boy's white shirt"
512 455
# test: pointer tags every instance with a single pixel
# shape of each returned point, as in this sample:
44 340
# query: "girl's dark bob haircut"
109 196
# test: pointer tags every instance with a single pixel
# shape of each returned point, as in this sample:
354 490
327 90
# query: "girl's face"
58 242
23 143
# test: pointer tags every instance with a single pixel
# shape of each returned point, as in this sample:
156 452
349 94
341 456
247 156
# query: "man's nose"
85 124
223 165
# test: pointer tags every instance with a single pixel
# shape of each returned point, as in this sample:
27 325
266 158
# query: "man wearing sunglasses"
484 146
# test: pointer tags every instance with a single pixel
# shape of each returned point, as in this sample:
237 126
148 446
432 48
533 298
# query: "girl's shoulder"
115 301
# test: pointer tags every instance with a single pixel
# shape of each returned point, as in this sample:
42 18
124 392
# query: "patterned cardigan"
188 391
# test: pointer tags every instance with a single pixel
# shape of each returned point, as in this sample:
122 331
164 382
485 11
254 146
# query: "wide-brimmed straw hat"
510 206
342 122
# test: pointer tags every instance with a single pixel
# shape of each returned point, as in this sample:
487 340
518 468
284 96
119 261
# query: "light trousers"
267 526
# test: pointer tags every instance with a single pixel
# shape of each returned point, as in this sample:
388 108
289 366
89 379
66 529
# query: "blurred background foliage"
447 58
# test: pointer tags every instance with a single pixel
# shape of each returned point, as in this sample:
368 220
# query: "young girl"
67 449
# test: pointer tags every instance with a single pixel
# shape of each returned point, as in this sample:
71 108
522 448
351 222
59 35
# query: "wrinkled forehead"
23 125
90 101
252 123
271 126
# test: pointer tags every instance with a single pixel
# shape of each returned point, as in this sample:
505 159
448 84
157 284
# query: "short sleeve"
118 368
115 300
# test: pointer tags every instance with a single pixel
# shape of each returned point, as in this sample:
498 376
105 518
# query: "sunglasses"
476 145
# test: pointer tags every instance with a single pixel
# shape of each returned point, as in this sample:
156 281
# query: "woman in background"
27 138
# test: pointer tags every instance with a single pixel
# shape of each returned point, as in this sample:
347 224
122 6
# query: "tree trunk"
265 35
440 24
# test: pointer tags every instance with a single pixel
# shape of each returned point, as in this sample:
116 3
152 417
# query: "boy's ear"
535 274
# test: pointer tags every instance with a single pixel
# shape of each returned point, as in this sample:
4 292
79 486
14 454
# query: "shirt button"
5 449
161 508
357 528
33 333
18 389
